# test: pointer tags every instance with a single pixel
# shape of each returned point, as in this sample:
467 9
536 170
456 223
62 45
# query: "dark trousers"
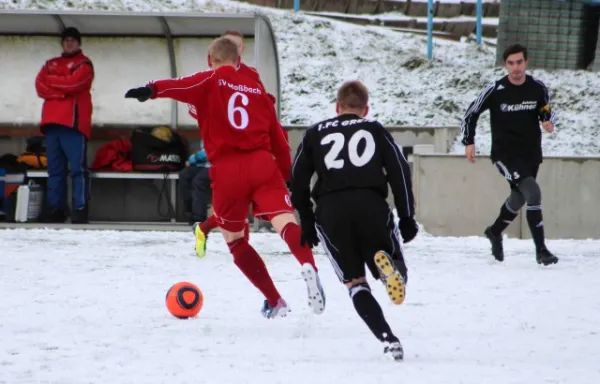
66 147
352 226
194 189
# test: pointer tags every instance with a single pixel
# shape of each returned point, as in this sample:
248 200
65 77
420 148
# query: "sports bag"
153 154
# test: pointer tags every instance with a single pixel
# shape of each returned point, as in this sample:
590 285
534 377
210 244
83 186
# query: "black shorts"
352 226
516 170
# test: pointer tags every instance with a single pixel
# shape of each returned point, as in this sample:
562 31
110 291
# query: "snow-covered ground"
317 55
88 307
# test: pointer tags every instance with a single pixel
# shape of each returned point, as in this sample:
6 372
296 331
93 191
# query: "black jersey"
347 152
515 115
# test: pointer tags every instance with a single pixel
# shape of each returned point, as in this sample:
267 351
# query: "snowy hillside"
317 55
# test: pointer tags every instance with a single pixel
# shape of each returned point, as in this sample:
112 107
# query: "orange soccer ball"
184 300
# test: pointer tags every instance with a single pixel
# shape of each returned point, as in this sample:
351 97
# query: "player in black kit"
517 103
355 159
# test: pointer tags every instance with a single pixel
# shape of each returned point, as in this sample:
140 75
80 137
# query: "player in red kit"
250 160
201 230
242 68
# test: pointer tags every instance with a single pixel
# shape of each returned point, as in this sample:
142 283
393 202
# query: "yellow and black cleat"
200 241
391 277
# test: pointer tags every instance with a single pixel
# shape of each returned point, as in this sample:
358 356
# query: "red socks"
247 231
211 223
291 234
254 268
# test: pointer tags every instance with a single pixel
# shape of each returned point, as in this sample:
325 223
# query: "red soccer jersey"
245 70
252 73
234 113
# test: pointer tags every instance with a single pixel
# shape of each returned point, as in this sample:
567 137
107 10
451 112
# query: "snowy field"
317 55
88 307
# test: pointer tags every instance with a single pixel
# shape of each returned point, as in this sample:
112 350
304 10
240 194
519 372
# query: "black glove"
408 228
309 236
141 93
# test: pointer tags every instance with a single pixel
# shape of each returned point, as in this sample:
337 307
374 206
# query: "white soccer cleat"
316 295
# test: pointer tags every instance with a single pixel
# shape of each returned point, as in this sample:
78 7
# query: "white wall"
20 61
119 64
457 198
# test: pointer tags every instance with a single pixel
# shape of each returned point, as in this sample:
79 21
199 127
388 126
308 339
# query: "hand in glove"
408 228
309 236
141 93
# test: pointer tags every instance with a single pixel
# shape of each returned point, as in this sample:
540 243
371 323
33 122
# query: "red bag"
114 156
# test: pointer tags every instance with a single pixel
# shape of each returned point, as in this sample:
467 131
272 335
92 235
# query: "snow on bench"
115 175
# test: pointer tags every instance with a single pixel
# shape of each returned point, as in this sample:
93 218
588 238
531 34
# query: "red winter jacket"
65 83
115 156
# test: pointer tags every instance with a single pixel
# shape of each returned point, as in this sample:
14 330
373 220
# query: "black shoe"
496 242
543 256
193 220
55 216
80 216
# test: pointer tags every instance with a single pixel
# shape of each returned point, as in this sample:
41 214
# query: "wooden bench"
13 140
171 178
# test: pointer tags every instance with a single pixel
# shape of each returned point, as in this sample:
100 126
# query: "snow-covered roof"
44 22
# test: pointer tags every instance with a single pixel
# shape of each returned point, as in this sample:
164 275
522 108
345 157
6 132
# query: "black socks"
369 310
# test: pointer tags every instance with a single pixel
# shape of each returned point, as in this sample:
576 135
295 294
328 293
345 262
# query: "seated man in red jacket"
64 83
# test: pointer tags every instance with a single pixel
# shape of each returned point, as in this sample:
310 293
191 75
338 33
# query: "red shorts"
246 179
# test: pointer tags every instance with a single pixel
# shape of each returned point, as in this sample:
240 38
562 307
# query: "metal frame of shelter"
142 24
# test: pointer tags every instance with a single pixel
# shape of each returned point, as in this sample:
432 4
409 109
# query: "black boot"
545 257
55 216
80 216
496 242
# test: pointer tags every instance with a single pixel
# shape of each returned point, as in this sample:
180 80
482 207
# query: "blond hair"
233 33
223 50
353 95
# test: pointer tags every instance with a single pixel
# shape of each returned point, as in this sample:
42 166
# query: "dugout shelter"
127 49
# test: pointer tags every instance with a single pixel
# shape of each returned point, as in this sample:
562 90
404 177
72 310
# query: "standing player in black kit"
517 103
354 160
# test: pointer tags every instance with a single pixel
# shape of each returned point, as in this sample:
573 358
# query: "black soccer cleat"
496 242
394 349
543 256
